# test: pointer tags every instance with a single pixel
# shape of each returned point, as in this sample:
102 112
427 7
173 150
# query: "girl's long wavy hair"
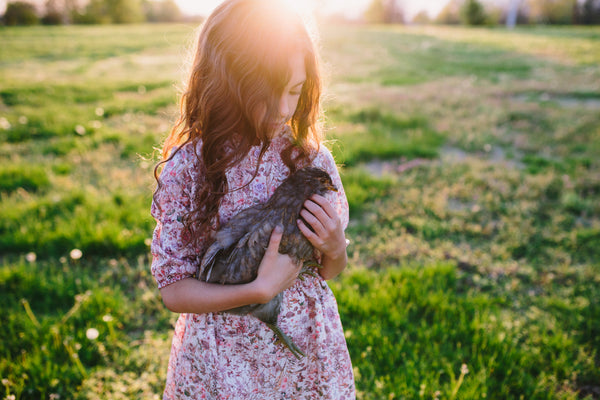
241 67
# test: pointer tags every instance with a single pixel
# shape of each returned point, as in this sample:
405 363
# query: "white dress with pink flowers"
225 356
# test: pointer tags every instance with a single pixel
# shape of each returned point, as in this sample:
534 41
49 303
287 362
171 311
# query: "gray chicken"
240 245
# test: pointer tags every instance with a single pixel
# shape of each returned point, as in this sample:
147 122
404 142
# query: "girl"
249 118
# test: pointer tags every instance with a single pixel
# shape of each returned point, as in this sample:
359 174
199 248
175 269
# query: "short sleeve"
338 200
173 256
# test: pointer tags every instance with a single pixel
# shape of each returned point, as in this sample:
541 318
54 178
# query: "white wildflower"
92 333
75 254
4 124
80 130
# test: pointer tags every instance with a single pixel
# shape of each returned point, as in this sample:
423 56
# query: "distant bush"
52 18
161 11
20 13
473 13
385 11
114 11
552 11
450 14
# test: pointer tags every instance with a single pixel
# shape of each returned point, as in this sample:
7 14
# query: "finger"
325 205
310 235
314 222
328 222
276 236
316 210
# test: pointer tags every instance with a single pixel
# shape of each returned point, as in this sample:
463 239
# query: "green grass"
470 161
455 324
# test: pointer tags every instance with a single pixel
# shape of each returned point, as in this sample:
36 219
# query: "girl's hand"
327 234
277 271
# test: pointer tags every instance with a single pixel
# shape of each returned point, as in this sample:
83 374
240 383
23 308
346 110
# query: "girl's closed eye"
297 89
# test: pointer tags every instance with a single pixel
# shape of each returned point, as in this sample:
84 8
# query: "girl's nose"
283 107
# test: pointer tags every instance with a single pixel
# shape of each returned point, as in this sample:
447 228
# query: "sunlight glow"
348 8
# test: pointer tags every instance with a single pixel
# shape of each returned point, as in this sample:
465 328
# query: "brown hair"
240 69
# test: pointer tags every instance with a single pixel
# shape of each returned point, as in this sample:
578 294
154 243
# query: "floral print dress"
226 356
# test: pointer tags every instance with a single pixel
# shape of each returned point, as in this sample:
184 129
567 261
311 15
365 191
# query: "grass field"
471 163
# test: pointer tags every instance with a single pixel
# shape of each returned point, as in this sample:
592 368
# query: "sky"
350 8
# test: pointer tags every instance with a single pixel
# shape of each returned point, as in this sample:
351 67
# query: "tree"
450 14
112 12
53 14
20 13
384 11
125 11
161 11
512 13
588 12
472 13
552 11
421 18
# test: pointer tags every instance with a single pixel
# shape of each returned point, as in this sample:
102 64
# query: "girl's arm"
276 273
327 234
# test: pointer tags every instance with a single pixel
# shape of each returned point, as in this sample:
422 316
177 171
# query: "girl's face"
291 93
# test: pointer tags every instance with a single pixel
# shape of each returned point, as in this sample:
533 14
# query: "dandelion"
75 254
464 369
80 130
113 263
107 318
92 333
99 111
54 396
148 242
62 260
96 124
10 397
6 382
4 124
141 89
487 147
30 257
23 120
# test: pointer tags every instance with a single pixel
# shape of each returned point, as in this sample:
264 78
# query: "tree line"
468 12
482 12
58 12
